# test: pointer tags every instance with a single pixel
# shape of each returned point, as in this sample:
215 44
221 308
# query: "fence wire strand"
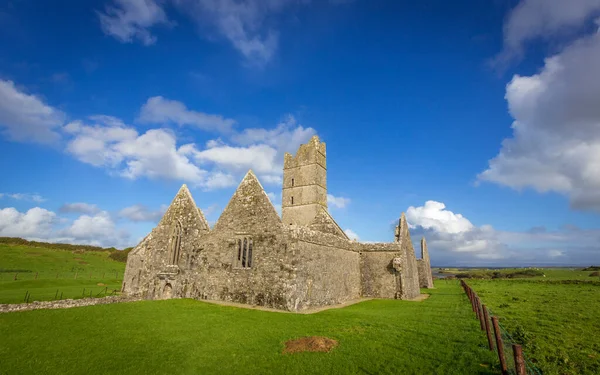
507 343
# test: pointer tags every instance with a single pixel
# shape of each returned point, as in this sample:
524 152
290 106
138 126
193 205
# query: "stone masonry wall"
65 303
150 272
325 274
425 275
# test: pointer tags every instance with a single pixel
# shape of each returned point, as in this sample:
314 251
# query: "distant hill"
115 254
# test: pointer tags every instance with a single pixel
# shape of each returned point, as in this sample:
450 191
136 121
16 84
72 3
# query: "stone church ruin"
300 260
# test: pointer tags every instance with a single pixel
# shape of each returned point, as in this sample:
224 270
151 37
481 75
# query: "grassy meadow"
554 314
556 317
43 272
435 336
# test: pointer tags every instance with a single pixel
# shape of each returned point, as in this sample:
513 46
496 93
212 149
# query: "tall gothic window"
175 244
244 253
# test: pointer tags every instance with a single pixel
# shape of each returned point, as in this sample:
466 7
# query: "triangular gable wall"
325 223
410 274
249 209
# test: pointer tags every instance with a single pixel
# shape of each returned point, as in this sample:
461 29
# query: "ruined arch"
167 291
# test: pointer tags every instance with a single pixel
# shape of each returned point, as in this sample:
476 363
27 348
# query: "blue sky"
479 119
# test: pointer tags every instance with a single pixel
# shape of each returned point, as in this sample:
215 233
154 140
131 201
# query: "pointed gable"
249 209
184 209
323 222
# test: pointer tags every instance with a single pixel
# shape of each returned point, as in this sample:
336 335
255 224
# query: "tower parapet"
304 190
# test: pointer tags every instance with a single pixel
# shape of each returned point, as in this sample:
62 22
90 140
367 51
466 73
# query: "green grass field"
556 316
42 272
437 336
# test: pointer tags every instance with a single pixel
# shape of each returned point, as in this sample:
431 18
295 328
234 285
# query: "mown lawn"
557 317
437 336
46 273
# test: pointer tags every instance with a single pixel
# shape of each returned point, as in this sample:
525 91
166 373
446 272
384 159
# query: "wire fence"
59 295
509 348
19 275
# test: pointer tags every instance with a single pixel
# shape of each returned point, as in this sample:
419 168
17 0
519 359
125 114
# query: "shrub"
596 273
120 255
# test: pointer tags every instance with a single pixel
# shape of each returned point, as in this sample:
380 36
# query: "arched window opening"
175 244
249 260
243 259
292 200
292 182
244 252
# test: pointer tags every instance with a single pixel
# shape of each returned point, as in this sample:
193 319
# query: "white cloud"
258 149
351 234
139 213
243 23
555 253
128 20
35 222
337 202
532 19
453 240
80 208
98 230
433 215
556 133
24 197
249 25
158 110
42 225
26 118
111 144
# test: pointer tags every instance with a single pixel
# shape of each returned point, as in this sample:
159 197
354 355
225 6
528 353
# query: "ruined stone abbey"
300 260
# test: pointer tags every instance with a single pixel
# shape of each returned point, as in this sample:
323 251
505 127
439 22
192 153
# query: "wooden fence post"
16 275
76 275
36 275
499 345
56 295
519 361
481 316
488 330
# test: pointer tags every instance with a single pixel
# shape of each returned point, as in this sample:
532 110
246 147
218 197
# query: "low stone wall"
65 303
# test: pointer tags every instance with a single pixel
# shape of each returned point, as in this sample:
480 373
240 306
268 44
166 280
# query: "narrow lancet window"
243 259
292 182
249 253
244 253
175 244
292 200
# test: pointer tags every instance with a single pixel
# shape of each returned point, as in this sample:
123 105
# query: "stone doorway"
167 292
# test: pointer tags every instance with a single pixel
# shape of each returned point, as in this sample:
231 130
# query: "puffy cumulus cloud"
26 118
79 208
33 223
105 141
555 144
351 234
43 225
453 240
247 24
533 19
24 197
139 213
258 149
111 144
98 230
130 20
433 215
158 110
337 202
